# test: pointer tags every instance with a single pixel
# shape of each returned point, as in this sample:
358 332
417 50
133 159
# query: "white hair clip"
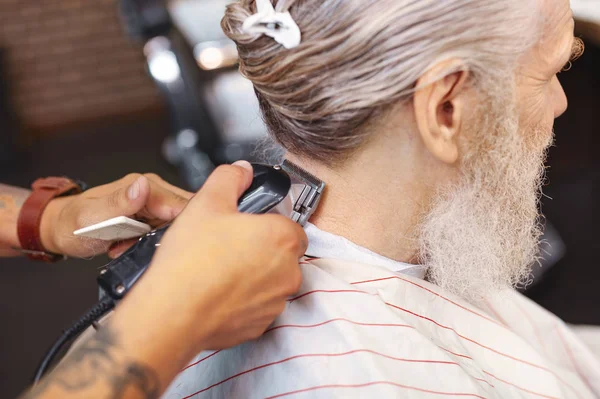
278 25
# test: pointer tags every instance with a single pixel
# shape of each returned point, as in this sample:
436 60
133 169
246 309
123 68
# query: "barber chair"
215 113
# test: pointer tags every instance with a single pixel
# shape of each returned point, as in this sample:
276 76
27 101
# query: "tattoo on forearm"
95 364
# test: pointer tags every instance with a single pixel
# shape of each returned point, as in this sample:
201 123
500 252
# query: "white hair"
358 57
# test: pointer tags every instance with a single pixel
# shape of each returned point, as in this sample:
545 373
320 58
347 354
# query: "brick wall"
69 61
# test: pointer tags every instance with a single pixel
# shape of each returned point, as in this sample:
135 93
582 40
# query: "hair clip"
278 25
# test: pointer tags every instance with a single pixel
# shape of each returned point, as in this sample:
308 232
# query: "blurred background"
98 89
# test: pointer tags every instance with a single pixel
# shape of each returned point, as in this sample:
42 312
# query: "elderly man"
430 121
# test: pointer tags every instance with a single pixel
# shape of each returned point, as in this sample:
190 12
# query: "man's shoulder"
355 331
335 332
354 348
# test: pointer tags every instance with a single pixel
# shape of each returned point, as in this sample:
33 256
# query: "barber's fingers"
222 190
118 248
288 235
165 201
279 235
143 196
128 196
159 181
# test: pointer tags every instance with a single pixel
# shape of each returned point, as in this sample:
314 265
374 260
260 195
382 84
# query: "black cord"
100 309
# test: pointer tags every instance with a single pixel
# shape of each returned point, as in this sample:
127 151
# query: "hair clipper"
284 189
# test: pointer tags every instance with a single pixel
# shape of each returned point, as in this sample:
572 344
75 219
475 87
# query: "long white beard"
482 235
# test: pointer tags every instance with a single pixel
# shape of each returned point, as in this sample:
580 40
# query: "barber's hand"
146 197
220 277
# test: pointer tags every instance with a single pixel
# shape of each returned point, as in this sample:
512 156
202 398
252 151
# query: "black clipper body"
285 189
269 187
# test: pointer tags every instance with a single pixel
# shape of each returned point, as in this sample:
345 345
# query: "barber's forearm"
11 200
99 368
135 355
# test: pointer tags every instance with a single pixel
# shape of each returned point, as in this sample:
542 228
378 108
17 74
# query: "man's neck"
377 200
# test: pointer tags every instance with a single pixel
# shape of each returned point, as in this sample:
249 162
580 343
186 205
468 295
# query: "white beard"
482 234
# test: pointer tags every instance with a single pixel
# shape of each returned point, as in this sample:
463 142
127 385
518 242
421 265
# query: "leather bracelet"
30 216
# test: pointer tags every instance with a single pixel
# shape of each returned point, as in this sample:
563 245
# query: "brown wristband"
30 217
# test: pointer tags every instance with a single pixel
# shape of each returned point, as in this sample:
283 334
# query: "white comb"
116 229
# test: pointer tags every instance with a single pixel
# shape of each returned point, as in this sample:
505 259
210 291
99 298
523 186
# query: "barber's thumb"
224 187
127 200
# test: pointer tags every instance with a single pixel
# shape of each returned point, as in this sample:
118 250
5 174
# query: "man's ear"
440 108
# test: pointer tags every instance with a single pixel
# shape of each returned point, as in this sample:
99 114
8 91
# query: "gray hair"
358 57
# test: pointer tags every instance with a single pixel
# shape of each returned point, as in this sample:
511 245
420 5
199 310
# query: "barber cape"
363 326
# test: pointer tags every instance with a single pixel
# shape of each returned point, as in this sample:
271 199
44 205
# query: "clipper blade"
300 174
305 193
